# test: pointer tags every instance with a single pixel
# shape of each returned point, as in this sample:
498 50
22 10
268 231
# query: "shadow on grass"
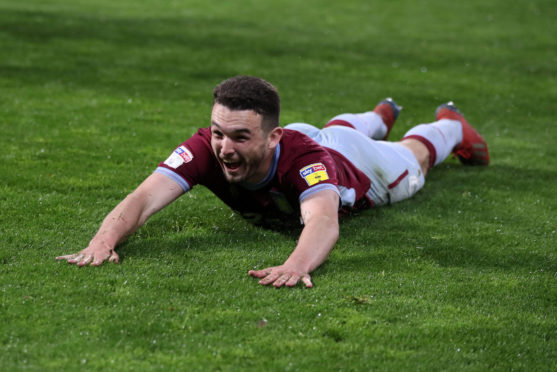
452 229
499 217
198 233
99 51
120 54
516 180
135 54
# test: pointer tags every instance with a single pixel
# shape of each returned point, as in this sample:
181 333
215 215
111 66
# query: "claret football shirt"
300 168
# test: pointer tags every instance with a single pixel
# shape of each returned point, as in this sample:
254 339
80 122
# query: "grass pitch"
94 94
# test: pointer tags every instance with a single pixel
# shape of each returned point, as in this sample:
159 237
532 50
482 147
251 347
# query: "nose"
227 147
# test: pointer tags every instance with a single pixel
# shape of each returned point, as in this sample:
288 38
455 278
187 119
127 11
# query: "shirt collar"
269 177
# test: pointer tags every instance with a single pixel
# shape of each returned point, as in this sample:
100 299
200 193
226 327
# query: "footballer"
297 175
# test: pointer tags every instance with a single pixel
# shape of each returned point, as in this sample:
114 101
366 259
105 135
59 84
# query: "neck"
269 167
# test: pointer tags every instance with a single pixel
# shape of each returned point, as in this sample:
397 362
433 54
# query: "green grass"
94 94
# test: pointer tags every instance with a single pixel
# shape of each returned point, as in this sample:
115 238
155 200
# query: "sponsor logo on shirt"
180 156
314 173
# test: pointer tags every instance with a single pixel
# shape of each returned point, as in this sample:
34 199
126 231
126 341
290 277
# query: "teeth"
230 163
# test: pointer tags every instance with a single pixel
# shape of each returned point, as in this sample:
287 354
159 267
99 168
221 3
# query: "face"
242 147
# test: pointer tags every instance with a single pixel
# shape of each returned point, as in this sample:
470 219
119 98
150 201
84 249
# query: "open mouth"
231 166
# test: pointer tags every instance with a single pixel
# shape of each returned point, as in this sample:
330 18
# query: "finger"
269 279
306 279
98 261
114 257
86 260
294 279
260 273
67 257
76 258
100 258
281 280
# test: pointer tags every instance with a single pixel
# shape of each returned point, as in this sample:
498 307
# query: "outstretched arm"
156 192
319 235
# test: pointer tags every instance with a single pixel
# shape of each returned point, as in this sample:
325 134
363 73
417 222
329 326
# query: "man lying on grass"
299 174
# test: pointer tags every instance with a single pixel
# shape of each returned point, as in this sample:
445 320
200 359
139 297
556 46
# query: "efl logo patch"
184 153
180 156
314 173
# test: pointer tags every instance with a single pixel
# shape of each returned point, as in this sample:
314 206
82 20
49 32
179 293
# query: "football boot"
473 148
388 110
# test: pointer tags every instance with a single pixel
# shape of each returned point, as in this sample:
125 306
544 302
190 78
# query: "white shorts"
393 170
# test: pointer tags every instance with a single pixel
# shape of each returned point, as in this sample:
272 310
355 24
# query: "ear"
274 137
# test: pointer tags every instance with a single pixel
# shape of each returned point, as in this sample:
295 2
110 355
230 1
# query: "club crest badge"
180 156
314 173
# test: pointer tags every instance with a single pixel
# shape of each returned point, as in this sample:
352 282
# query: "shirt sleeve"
313 172
189 164
317 188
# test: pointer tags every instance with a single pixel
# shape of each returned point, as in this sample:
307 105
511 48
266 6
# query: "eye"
217 134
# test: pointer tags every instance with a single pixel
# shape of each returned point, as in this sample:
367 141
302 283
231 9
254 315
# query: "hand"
281 275
93 255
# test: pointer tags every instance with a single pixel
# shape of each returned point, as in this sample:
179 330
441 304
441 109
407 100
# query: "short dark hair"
250 93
